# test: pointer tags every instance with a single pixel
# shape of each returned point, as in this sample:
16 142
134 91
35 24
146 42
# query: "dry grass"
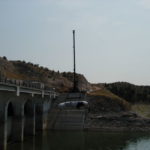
142 109
103 92
13 75
106 94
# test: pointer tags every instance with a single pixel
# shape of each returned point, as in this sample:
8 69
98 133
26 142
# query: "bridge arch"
6 117
9 111
18 103
19 112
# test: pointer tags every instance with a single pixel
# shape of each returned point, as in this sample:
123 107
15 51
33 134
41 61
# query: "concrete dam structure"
70 117
23 111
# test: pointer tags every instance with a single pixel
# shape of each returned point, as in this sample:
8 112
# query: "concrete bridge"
23 110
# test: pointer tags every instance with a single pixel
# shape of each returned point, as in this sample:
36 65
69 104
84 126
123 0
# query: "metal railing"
25 83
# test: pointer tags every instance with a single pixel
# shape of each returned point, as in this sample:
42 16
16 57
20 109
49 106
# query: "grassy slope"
22 70
132 93
142 109
104 100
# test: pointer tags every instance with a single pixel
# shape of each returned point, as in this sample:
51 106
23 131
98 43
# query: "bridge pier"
46 110
18 119
39 115
29 112
4 124
3 132
42 109
18 129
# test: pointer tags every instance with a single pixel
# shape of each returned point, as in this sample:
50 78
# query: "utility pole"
74 62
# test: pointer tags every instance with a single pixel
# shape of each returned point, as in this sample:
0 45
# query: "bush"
4 57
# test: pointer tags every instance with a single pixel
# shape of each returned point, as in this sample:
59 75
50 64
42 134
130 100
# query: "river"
75 140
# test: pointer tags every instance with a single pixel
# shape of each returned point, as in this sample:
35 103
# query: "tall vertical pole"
74 54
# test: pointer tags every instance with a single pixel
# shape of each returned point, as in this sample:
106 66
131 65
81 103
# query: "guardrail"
25 83
30 87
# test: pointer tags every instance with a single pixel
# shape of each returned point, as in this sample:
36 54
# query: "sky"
112 36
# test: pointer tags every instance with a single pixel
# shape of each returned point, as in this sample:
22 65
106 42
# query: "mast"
74 62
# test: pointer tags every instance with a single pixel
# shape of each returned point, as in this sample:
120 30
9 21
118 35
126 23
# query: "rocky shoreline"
123 121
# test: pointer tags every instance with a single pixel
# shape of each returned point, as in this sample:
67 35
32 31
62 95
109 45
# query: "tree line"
130 92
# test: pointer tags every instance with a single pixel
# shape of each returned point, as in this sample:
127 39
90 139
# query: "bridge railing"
25 83
33 87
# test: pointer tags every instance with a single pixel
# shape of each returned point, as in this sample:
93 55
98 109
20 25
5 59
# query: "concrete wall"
70 119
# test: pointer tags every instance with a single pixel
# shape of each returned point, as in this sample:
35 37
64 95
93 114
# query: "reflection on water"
66 140
141 144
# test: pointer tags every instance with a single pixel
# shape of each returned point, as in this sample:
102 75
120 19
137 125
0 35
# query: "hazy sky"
112 36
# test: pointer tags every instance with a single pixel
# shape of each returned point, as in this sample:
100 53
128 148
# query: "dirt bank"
123 121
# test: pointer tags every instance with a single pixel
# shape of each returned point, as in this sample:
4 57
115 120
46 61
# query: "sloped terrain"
130 92
109 104
100 99
22 70
104 101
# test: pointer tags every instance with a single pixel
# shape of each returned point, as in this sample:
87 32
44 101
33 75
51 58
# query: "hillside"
130 92
105 101
112 97
28 71
110 105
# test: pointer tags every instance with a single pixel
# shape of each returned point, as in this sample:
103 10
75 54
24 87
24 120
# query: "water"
66 140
